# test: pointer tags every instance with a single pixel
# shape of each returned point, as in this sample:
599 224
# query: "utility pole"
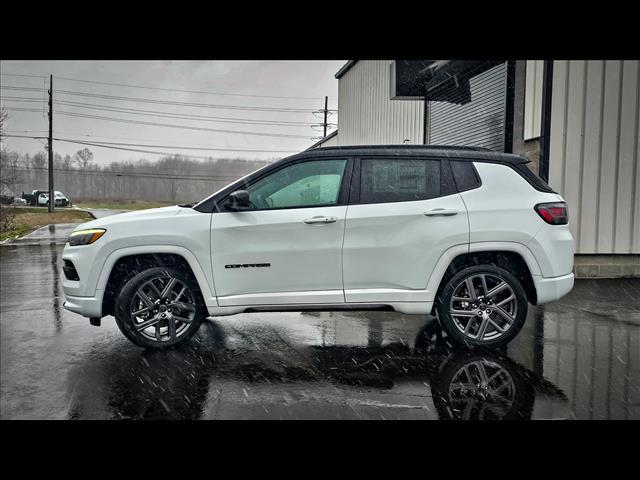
326 106
52 197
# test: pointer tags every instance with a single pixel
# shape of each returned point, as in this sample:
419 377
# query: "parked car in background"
11 200
40 198
62 200
32 198
466 234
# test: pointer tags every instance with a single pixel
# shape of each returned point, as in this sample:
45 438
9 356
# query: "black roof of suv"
446 151
458 153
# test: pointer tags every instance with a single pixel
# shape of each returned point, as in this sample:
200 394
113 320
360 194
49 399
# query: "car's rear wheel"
160 307
483 305
472 386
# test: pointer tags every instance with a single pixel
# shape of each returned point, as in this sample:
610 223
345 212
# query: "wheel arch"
514 257
124 263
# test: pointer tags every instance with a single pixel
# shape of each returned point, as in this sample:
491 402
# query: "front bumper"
554 288
85 306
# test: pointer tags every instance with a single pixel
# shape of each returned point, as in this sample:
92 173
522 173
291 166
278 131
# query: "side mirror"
238 201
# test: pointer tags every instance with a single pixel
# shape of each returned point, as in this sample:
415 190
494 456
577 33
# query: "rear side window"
465 176
399 180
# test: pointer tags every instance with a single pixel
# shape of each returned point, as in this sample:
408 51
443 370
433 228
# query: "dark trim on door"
509 106
545 140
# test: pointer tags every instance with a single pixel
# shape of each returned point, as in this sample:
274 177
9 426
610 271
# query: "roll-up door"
479 122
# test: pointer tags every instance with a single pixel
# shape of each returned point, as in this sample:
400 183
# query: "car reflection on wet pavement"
576 358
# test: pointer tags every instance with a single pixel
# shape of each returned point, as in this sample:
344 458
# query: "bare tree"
8 176
4 116
84 157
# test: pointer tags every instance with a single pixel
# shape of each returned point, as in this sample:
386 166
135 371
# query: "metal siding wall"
594 152
366 114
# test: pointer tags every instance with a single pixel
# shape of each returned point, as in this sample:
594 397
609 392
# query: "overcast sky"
230 84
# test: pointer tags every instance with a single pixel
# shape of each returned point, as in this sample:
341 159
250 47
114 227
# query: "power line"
130 149
22 75
167 89
214 178
167 125
118 146
195 147
156 113
23 99
188 91
164 102
26 89
190 104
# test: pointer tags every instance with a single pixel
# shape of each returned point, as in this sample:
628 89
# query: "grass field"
122 204
27 220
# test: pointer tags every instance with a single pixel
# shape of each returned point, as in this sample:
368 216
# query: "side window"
309 184
398 180
465 175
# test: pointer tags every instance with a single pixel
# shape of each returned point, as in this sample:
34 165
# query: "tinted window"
307 184
465 176
398 180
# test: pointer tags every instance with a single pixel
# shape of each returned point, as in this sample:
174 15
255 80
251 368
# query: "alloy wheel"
481 390
483 307
162 308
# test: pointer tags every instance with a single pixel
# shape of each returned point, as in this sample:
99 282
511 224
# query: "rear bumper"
550 289
85 306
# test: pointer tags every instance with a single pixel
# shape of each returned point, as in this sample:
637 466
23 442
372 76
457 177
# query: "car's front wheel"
160 307
483 305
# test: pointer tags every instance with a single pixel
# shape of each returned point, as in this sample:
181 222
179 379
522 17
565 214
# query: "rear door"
403 214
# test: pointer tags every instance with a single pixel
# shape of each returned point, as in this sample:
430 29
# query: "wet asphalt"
578 358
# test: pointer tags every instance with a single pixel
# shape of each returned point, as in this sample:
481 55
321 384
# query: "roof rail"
412 146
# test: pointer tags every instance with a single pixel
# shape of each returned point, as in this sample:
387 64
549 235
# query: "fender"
447 257
209 296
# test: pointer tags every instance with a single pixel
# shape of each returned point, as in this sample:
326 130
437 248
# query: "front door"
287 248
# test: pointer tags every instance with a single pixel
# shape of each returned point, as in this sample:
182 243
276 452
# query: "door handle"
320 219
443 212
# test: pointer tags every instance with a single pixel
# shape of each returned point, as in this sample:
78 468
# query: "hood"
151 213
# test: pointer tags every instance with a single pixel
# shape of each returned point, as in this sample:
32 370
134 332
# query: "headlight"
85 237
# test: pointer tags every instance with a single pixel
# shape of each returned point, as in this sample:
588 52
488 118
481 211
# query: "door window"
398 180
309 184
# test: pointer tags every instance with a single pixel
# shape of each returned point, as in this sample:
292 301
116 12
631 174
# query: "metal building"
577 121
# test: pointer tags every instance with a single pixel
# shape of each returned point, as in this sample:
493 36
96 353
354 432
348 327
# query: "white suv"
463 233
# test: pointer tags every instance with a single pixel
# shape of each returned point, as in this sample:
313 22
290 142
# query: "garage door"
480 122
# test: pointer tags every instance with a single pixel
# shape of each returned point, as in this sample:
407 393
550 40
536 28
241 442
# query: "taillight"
553 213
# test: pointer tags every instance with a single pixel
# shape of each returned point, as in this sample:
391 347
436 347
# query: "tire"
164 329
507 396
499 320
